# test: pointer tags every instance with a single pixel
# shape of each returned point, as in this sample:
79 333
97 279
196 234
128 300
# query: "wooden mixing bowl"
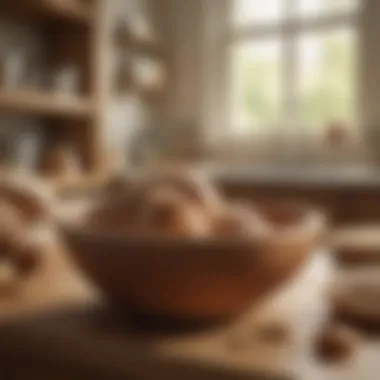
209 279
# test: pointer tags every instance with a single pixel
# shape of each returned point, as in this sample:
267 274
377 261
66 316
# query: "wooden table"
58 328
357 244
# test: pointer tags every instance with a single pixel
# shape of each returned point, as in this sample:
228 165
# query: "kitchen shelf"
48 10
45 104
73 31
70 10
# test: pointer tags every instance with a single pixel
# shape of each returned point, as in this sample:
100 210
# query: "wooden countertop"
58 328
293 176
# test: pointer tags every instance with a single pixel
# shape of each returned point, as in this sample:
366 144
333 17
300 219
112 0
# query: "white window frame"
219 34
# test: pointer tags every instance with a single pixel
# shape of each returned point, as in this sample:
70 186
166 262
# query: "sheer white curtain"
278 76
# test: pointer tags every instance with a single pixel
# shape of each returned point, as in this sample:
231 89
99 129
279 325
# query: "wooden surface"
73 33
44 104
77 11
358 244
72 10
344 203
58 328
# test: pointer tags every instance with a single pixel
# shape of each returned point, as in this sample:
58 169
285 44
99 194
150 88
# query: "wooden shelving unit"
81 12
74 31
46 10
149 47
45 104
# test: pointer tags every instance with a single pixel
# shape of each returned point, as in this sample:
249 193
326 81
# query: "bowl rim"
312 222
161 240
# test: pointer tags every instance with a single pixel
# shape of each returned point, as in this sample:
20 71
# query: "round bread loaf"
169 211
241 220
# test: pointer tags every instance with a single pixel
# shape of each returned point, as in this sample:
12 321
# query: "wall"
193 37
371 59
370 74
182 27
185 35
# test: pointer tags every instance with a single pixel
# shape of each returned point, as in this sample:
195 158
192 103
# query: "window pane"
257 11
323 7
327 76
255 79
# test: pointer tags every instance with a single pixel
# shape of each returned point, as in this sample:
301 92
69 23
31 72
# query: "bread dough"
169 211
241 220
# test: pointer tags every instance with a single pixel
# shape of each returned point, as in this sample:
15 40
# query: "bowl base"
167 324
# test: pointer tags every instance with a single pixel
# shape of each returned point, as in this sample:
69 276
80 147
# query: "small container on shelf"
13 68
148 76
137 35
141 30
35 78
28 144
20 141
338 134
61 161
64 79
6 151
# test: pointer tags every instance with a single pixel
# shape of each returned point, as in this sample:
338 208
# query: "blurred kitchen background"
273 92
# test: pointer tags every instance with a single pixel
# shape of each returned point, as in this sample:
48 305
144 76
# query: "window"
256 78
291 63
